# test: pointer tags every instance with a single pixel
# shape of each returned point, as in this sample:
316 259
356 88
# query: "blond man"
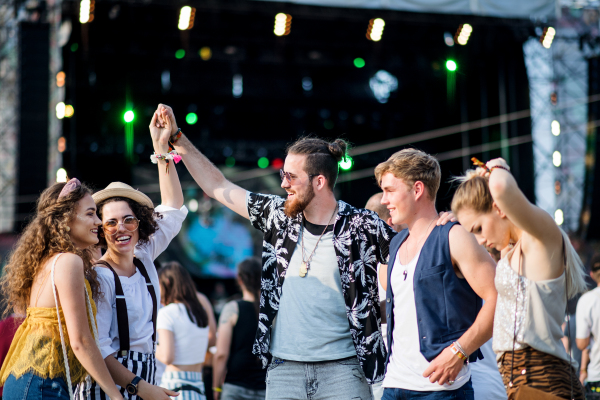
437 277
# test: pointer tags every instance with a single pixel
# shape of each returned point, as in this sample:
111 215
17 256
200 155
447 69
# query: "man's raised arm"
210 179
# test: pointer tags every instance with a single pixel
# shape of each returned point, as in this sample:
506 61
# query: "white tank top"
407 364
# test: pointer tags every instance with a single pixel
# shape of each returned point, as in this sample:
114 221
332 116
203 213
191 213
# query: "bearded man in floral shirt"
319 305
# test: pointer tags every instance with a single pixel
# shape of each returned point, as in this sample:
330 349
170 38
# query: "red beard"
295 206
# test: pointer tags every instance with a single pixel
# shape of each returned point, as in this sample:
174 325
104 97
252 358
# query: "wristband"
459 353
175 137
217 389
501 167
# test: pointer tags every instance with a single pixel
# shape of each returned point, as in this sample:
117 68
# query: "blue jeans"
326 380
32 387
235 392
465 392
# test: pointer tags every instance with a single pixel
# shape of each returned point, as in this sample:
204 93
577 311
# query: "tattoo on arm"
230 310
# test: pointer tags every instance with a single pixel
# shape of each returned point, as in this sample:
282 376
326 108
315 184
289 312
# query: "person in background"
237 373
374 204
8 328
588 332
538 272
50 270
183 332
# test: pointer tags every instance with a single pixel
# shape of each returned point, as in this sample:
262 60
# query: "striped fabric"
141 364
540 371
189 384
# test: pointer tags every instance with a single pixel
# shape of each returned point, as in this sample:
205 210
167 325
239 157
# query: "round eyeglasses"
130 224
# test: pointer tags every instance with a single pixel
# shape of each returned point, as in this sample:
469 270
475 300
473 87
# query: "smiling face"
123 241
300 189
491 229
398 197
84 227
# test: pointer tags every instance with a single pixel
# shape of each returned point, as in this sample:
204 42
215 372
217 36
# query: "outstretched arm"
170 187
205 173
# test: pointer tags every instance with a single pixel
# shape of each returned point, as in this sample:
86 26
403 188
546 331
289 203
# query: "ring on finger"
450 382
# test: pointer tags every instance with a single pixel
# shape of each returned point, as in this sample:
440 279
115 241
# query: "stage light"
62 144
186 18
346 163
60 79
74 47
230 162
277 163
559 217
61 175
60 110
205 53
307 84
193 205
451 65
375 29
86 11
547 37
129 116
263 162
283 24
556 159
462 34
382 84
238 86
448 39
69 111
191 118
359 62
179 54
555 128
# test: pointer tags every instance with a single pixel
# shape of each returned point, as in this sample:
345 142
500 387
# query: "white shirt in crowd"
407 364
137 296
588 325
191 341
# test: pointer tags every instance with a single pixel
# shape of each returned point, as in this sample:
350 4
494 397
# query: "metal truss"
8 112
558 76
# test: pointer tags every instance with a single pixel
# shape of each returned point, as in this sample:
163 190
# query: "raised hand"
160 133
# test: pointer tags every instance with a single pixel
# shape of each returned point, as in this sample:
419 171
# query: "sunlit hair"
248 272
177 286
45 235
474 194
146 215
322 157
410 166
374 204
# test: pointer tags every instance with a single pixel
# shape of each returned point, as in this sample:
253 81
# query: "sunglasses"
289 177
130 224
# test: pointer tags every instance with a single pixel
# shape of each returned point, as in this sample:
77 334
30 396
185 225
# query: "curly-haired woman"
539 270
134 234
49 273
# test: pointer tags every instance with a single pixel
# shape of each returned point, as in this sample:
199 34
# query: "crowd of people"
391 301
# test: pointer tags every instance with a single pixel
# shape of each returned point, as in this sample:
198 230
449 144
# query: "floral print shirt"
361 241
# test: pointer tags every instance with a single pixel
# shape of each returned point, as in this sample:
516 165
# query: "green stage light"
263 162
230 161
451 65
191 118
346 163
359 62
179 54
129 116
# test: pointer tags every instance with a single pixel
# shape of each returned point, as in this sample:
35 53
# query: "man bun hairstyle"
322 157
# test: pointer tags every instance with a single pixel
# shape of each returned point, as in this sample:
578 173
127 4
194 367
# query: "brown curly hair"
45 235
146 215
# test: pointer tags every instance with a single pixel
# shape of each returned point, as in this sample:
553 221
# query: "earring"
68 229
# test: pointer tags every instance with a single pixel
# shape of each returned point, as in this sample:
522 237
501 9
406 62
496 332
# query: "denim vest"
446 305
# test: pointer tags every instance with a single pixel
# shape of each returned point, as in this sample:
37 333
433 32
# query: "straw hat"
119 189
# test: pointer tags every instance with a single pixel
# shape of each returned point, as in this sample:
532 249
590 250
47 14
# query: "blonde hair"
474 193
412 165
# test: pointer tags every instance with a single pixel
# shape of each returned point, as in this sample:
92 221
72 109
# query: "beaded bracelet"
175 137
171 155
499 166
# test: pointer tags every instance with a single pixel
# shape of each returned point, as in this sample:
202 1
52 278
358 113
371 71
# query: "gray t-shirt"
311 324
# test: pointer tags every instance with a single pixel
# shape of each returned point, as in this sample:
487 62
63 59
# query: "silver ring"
450 382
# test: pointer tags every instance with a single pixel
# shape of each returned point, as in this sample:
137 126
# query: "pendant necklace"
305 266
405 273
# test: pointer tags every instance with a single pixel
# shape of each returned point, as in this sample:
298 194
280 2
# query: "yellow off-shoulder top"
37 348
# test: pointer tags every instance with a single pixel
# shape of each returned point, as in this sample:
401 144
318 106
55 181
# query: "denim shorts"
33 387
339 379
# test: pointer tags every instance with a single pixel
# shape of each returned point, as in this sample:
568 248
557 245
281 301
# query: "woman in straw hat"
134 234
48 274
